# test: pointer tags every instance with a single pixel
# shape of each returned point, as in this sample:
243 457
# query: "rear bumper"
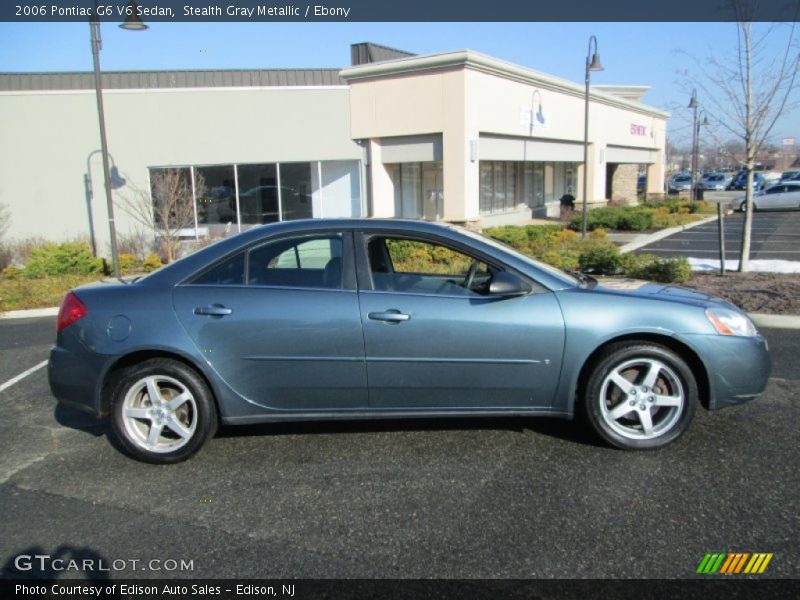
738 367
73 379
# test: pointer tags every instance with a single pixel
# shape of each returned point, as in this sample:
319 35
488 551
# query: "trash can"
698 192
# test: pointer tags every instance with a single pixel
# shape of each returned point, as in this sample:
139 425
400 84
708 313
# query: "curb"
775 321
30 314
660 235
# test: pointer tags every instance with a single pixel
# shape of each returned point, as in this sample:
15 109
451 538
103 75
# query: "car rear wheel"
162 411
640 396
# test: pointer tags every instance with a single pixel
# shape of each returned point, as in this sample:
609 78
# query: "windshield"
558 273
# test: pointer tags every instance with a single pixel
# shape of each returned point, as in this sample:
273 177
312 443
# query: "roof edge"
481 62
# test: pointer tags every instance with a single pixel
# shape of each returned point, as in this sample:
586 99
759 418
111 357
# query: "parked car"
714 181
739 182
780 196
364 318
680 182
790 175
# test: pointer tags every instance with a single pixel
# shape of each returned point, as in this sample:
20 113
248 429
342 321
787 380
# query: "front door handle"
391 316
216 310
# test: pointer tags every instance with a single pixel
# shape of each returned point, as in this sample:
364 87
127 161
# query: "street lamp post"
693 104
592 64
132 23
699 122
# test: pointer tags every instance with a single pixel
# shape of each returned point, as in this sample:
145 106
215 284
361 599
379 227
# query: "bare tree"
746 93
167 209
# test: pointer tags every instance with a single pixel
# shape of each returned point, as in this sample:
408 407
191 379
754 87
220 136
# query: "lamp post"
693 104
592 64
698 124
133 23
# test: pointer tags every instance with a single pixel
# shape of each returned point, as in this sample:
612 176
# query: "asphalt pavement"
441 498
775 236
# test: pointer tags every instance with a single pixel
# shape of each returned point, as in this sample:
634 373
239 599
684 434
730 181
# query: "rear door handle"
391 316
216 310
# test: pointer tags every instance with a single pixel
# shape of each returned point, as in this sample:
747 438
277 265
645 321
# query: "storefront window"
216 198
258 193
295 191
500 186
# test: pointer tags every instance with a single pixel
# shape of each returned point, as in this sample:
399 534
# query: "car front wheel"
640 396
162 411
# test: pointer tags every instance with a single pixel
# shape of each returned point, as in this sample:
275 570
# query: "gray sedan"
374 319
781 196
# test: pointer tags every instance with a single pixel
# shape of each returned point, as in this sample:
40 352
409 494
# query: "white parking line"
22 376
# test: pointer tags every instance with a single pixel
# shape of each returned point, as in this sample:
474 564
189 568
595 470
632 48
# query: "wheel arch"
113 372
688 354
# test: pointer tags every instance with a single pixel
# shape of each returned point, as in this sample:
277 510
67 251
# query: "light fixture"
132 22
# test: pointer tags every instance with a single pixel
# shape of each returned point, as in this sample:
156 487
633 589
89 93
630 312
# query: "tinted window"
298 262
229 272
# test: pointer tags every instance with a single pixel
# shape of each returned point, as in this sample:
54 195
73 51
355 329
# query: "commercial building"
456 136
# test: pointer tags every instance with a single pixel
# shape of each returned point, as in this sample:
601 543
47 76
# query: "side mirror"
507 284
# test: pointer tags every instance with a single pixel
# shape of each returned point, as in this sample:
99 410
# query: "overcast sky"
632 53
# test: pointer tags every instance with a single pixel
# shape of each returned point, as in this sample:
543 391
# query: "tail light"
72 309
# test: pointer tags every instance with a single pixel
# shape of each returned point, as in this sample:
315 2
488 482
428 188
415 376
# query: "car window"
229 272
416 266
298 262
778 189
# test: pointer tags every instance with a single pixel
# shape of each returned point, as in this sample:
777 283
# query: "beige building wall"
466 96
46 137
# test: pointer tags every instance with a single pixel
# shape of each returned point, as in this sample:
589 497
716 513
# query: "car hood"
658 291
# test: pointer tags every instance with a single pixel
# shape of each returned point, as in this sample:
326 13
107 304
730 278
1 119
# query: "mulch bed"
773 293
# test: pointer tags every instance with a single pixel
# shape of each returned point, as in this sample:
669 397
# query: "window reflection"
258 193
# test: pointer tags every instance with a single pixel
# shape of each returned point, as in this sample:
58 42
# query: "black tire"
603 398
743 206
181 430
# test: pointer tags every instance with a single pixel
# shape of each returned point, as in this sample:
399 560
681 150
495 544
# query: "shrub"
127 263
664 270
151 263
68 258
11 272
604 260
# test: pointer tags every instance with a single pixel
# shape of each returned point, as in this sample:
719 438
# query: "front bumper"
738 367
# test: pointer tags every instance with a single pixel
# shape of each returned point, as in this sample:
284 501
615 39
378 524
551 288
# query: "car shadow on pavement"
75 419
571 431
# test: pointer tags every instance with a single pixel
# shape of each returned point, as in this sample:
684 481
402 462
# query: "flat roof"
219 78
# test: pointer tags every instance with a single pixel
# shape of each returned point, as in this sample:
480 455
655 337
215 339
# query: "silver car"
781 196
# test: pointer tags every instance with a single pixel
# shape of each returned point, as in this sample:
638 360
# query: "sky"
632 53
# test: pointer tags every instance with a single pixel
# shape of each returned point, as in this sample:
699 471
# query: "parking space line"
22 376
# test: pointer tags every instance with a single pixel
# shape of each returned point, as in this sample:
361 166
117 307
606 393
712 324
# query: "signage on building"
638 129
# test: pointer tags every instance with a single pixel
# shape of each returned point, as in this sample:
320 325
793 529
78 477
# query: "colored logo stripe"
733 563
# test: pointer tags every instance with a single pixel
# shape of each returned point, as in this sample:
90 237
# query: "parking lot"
775 236
442 498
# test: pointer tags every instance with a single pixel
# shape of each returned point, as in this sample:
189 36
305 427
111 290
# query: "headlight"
730 322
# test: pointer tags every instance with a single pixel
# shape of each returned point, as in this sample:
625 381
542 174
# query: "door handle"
390 316
216 310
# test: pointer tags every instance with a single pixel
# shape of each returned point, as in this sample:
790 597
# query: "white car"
715 181
781 196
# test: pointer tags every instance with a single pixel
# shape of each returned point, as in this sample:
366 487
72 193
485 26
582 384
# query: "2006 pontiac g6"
349 319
